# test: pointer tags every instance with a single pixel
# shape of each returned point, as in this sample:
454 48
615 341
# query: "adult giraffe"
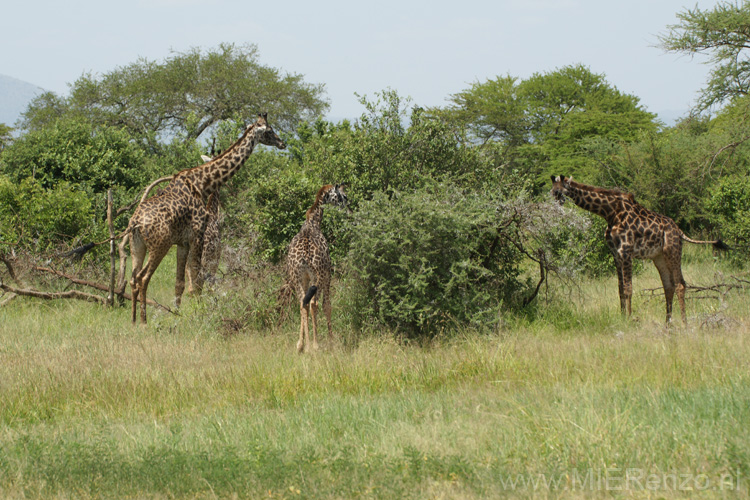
178 215
633 231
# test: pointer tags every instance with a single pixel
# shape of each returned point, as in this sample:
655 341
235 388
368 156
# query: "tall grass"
572 402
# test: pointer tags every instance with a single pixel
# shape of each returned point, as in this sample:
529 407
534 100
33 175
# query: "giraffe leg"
314 313
303 310
675 265
123 263
627 286
143 288
134 291
681 298
620 285
667 283
144 277
196 255
179 285
137 252
136 285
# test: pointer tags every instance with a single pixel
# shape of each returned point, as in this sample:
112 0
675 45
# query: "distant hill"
15 95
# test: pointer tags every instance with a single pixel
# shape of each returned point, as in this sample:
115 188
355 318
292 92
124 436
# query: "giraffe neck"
209 177
603 202
314 214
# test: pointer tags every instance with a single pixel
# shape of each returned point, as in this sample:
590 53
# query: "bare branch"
99 286
70 294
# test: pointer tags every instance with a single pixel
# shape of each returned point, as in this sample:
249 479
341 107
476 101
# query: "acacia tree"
543 124
184 95
723 34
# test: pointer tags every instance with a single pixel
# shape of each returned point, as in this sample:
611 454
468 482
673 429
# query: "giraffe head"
560 186
265 134
335 195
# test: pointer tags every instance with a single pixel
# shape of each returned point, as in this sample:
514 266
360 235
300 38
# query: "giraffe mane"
232 147
600 190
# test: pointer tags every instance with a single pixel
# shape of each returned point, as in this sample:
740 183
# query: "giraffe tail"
79 252
717 244
309 295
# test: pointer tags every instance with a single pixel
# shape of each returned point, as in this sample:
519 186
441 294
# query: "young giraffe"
634 232
178 215
308 265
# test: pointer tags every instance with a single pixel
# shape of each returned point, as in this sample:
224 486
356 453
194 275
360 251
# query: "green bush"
38 218
430 258
78 153
729 208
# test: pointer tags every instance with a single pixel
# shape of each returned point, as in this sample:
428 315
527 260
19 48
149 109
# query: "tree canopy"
543 124
184 95
722 33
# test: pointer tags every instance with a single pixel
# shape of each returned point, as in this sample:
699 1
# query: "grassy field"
576 402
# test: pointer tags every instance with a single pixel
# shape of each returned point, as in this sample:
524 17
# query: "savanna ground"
571 402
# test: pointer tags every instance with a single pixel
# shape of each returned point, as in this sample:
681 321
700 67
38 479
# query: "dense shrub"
428 258
38 218
77 153
729 206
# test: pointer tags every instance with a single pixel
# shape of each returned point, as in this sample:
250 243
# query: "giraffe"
634 232
178 215
308 264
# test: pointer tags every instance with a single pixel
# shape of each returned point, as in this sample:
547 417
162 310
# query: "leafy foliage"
95 158
5 136
730 206
391 148
723 34
428 258
186 94
39 218
544 123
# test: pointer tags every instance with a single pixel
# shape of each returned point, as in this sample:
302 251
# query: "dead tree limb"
542 278
7 299
99 286
70 294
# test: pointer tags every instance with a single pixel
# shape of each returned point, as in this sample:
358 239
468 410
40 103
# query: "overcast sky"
426 50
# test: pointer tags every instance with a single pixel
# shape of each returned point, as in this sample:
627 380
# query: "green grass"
576 402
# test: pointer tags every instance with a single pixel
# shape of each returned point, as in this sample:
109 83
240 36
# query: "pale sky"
426 50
